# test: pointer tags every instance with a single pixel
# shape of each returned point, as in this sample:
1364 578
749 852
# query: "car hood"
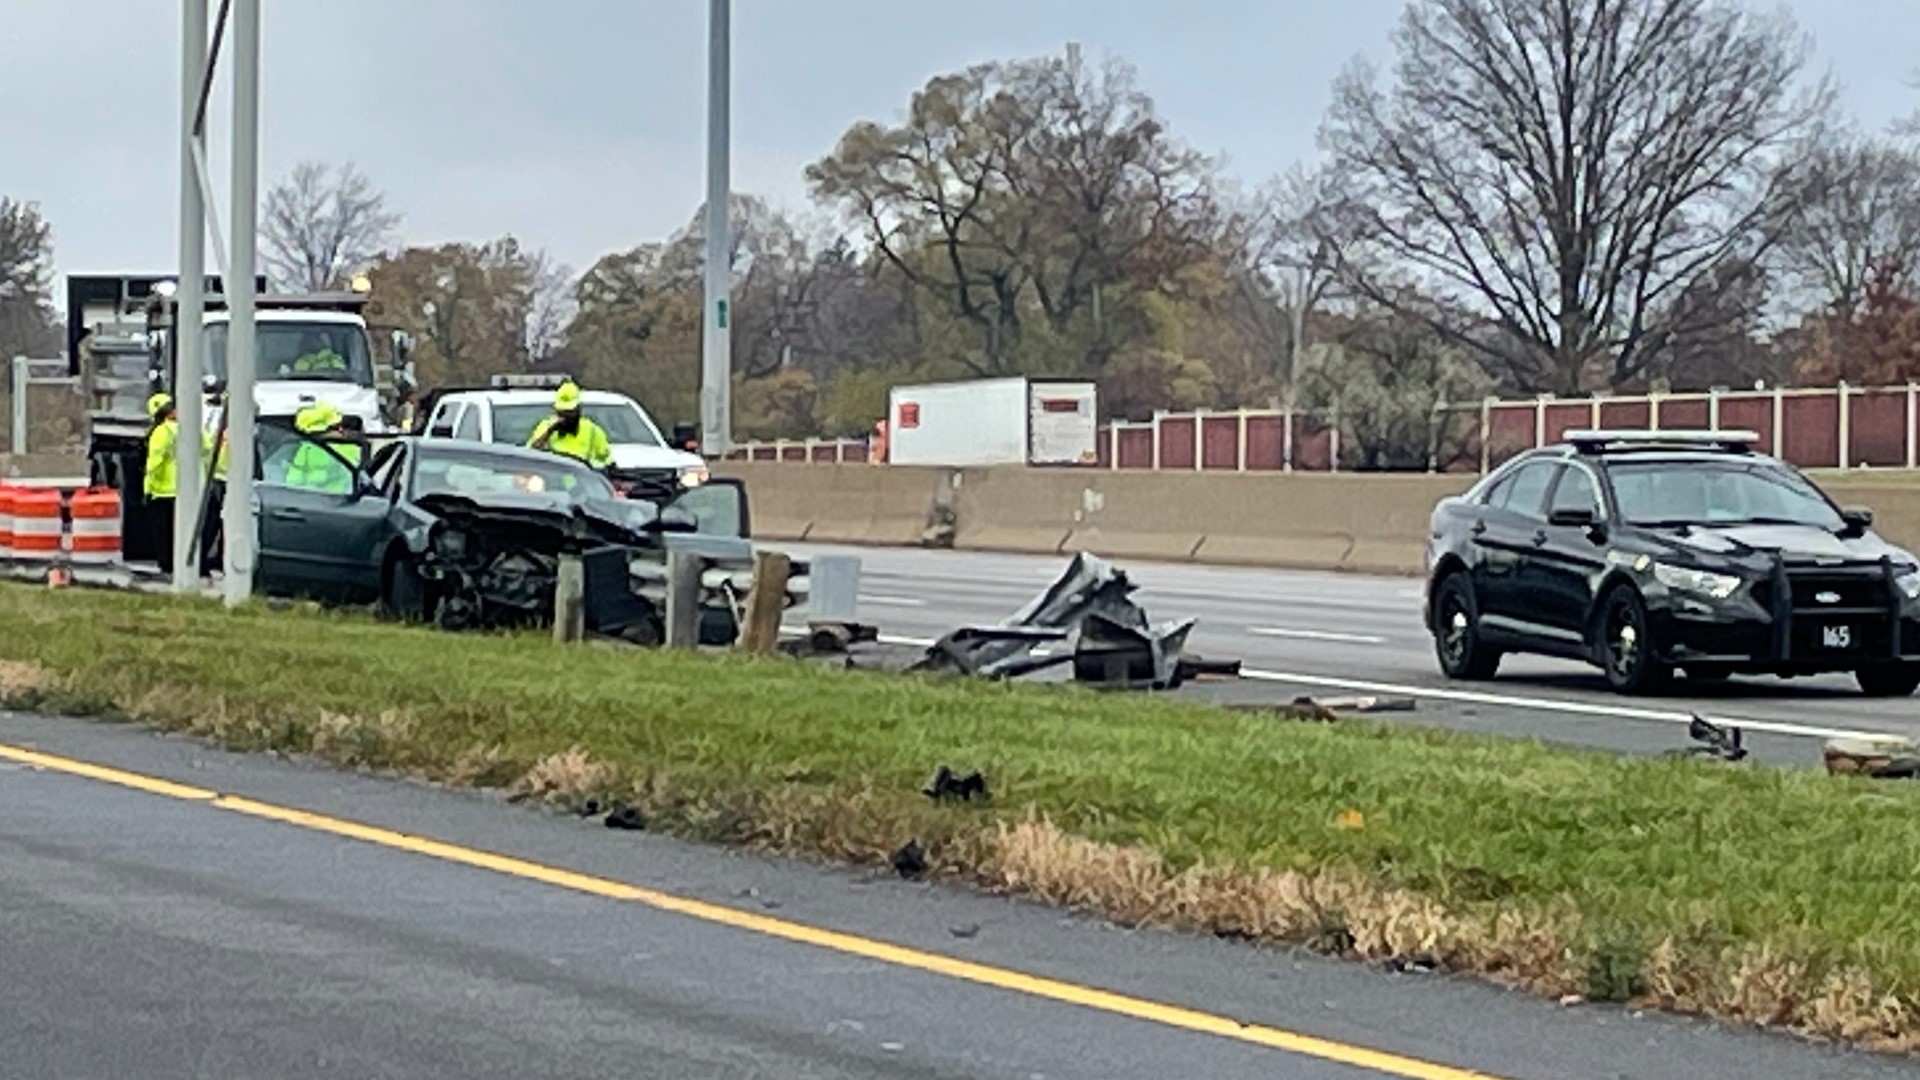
641 456
1793 541
545 522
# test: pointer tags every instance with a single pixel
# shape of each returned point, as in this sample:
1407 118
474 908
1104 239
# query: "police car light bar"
1735 438
527 381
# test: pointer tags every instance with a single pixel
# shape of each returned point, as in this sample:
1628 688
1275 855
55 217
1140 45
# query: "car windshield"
622 422
300 351
448 470
1718 493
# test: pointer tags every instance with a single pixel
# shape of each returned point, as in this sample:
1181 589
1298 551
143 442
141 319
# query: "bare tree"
1856 207
551 305
26 281
322 225
1568 167
1292 247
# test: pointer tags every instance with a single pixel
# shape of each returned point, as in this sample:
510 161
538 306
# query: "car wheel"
1894 680
1626 646
1456 633
405 596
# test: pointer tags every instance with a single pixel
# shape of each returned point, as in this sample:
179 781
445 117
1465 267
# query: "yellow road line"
848 944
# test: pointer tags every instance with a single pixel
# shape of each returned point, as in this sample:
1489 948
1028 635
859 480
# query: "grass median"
1784 898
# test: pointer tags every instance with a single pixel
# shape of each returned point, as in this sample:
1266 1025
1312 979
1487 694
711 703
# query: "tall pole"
716 354
240 528
189 299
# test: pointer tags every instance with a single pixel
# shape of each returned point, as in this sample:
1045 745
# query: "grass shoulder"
1756 895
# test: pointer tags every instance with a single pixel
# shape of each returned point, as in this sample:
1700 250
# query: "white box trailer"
1011 421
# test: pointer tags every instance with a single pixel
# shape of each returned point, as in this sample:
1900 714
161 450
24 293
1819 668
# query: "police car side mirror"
1856 520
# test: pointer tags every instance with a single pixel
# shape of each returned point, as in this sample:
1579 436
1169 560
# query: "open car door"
322 525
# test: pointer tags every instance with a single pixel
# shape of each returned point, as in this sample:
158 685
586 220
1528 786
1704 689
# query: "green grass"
1820 871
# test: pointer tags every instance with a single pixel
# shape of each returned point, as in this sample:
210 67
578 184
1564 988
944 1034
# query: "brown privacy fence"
1878 427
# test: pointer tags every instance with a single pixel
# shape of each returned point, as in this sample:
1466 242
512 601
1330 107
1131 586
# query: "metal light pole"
189 299
716 353
239 521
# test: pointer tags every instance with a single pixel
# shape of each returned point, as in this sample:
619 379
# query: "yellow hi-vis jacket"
163 466
588 444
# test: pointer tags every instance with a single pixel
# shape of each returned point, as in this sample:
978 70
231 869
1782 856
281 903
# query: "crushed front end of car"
493 562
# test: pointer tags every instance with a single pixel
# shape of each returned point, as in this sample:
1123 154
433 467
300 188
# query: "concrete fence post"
1913 401
1779 420
1845 425
1286 440
1333 439
1156 439
1540 420
1241 440
1486 435
1199 439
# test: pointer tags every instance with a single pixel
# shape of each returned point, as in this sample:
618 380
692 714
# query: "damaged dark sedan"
467 535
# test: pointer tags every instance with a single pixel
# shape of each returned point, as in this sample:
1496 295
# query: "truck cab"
513 405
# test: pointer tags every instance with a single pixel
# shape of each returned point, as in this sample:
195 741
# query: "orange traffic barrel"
6 522
37 530
96 527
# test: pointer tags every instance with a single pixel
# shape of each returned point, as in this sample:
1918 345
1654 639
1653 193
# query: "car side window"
441 426
469 427
1576 492
1526 493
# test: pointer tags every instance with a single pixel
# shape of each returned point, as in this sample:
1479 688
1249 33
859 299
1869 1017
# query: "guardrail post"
766 600
684 569
569 601
22 371
1846 426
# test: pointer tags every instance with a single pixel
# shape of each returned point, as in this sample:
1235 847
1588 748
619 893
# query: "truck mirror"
686 437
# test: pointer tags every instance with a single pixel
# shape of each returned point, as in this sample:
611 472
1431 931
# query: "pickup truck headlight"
1702 582
694 476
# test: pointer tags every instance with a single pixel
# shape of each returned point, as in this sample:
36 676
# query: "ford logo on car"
1827 597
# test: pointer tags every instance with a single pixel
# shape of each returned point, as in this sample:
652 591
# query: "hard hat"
159 403
567 398
316 418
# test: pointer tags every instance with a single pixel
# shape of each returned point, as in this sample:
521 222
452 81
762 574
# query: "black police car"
1644 553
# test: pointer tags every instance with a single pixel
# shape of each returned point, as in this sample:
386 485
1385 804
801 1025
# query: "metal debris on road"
909 860
1325 710
1718 742
1091 606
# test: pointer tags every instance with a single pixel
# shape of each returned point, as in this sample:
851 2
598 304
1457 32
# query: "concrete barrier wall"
1362 523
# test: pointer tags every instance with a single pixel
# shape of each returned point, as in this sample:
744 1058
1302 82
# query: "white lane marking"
1576 708
1550 705
882 600
1316 635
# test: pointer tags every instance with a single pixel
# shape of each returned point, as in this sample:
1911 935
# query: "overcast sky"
579 125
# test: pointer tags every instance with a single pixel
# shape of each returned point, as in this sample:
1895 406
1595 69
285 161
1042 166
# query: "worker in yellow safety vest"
211 539
314 467
162 480
569 433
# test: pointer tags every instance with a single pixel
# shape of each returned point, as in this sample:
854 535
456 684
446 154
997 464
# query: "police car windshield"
1708 493
453 470
300 351
621 421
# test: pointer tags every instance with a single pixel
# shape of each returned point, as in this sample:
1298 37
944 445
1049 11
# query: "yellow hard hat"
567 398
316 418
159 403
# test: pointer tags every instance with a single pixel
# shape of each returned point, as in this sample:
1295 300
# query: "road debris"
1718 742
1885 758
948 785
1090 607
1327 710
909 860
626 817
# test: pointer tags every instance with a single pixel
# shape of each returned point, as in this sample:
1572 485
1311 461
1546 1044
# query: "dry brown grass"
569 776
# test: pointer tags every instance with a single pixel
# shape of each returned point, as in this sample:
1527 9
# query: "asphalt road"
1340 634
168 933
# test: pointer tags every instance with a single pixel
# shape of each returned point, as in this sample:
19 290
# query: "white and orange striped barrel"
95 540
6 522
37 529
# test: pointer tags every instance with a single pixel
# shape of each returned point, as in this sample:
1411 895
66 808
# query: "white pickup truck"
510 411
